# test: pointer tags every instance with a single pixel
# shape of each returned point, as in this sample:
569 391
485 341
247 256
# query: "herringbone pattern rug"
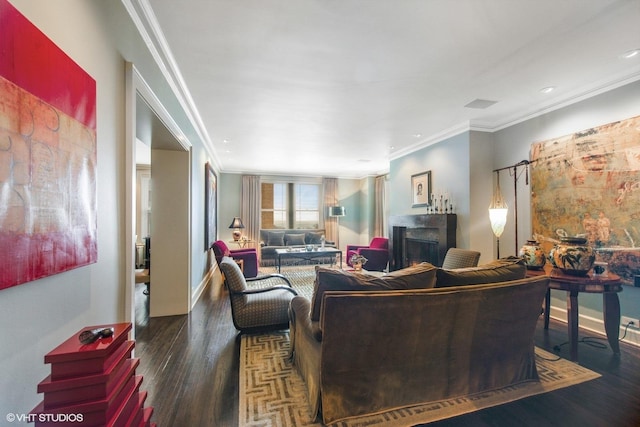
273 394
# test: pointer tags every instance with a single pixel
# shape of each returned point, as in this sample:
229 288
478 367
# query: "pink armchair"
376 253
248 255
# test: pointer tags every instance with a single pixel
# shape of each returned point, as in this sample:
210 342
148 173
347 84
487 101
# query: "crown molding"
490 127
147 25
431 140
595 89
163 115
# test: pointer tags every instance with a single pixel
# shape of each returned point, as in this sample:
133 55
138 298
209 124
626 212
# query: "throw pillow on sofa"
275 238
313 238
293 239
421 276
501 270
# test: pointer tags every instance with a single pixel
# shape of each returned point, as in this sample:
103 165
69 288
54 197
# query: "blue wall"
463 165
449 164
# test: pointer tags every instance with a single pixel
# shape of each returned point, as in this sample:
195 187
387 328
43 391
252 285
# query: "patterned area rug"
273 394
301 279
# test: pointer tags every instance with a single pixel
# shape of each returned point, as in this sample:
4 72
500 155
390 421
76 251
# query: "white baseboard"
197 293
596 325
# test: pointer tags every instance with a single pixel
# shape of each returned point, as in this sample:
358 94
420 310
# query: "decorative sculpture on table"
358 261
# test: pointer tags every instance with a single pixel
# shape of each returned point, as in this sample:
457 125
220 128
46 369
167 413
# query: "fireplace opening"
420 250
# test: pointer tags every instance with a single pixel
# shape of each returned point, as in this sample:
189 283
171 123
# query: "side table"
243 243
606 284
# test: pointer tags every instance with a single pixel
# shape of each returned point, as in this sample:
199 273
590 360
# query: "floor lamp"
337 212
498 208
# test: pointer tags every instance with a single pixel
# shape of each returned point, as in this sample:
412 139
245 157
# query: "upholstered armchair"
259 309
249 257
460 258
376 253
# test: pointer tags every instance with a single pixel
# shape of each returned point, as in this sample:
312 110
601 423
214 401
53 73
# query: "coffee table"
606 284
304 254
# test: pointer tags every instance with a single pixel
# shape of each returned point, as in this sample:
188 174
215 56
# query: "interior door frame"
136 85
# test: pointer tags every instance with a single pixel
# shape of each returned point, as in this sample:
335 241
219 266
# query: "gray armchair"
460 258
255 310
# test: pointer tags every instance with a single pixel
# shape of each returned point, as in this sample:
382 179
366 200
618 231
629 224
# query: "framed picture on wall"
210 206
420 189
48 156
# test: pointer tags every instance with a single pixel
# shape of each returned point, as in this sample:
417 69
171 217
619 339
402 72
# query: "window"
274 205
290 205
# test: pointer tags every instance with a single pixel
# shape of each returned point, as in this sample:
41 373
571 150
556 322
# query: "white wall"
170 233
35 317
481 155
351 196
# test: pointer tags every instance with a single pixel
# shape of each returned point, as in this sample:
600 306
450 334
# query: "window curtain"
251 207
380 202
330 190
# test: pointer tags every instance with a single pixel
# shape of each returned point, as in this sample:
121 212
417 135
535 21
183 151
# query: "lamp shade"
498 218
337 211
498 210
236 223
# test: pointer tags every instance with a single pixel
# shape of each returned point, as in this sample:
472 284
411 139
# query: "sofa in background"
414 337
272 239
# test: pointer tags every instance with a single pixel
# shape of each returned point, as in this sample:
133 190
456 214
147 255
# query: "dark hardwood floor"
190 367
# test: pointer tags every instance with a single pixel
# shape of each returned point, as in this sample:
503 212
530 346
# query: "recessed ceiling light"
225 141
391 147
630 54
417 135
548 89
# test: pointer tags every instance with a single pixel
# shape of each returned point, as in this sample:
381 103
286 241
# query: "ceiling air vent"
480 104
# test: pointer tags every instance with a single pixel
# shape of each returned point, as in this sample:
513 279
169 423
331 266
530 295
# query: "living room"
38 315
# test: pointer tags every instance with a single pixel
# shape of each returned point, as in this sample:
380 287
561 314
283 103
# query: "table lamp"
236 224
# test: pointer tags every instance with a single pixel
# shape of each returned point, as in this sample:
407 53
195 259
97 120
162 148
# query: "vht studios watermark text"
49 418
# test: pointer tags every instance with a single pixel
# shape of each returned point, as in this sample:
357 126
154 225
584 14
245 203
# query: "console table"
606 284
307 255
243 243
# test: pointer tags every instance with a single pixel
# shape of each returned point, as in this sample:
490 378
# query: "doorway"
167 216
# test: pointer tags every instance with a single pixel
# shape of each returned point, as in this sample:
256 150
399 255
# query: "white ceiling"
327 87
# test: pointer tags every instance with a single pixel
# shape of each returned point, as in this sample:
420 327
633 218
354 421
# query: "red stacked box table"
93 384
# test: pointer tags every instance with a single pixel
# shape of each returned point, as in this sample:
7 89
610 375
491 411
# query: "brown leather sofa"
365 344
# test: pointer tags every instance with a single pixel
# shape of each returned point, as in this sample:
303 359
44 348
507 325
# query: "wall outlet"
624 321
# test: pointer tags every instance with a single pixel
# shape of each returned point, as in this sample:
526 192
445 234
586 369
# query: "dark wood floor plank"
190 365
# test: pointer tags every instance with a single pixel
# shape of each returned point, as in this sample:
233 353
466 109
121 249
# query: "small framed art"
420 189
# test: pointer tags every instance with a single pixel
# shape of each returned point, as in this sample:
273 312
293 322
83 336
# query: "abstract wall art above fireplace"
588 183
48 159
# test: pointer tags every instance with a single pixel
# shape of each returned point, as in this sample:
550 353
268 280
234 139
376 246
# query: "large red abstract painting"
48 162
